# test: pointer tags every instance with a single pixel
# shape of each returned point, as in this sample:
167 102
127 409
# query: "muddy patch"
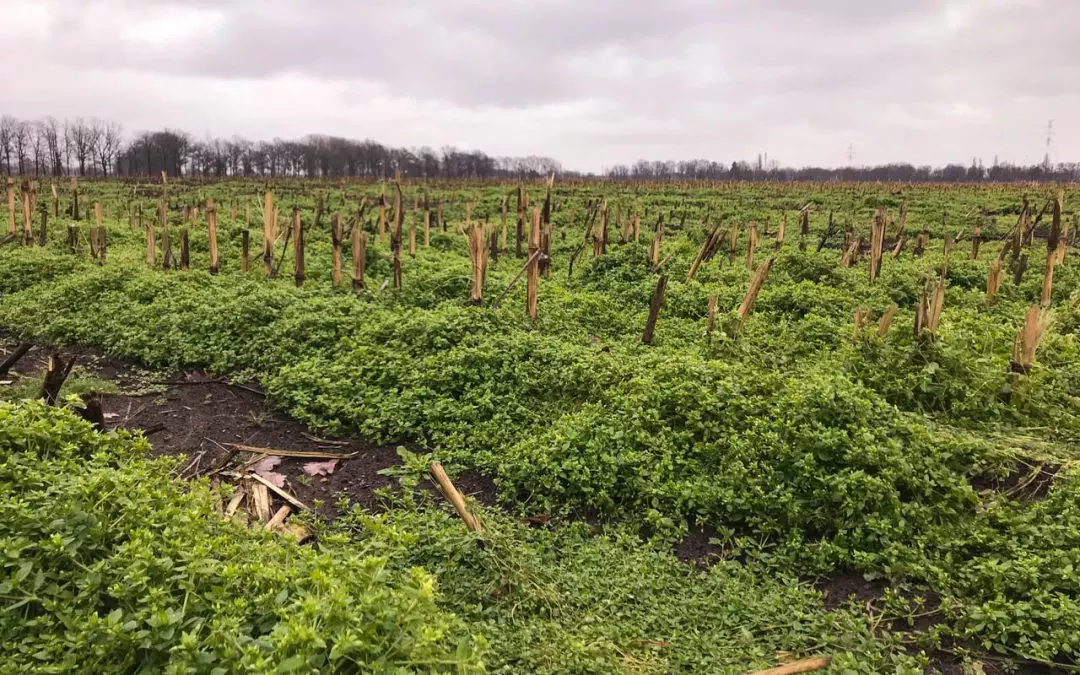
1027 483
838 590
202 418
700 546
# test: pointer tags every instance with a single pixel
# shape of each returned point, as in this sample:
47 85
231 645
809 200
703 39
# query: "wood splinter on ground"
454 496
803 666
278 520
276 452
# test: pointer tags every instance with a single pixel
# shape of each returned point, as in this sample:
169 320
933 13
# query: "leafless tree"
21 144
68 145
39 147
51 130
108 146
7 139
95 139
80 141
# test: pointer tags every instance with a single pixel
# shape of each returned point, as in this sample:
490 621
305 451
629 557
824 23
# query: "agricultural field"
709 428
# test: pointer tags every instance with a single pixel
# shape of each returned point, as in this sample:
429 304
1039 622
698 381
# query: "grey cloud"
681 78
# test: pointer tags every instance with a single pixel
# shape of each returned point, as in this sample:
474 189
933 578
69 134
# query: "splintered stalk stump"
74 198
151 246
522 203
502 234
899 247
848 258
427 228
359 254
747 305
600 241
751 246
921 241
654 310
1048 280
245 247
533 275
928 311
1021 267
211 221
657 242
98 243
412 240
11 207
166 245
877 244
862 317
1036 321
886 321
298 247
1066 233
781 232
395 236
269 232
184 255
994 277
478 257
97 214
42 235
336 240
708 249
56 374
714 302
28 213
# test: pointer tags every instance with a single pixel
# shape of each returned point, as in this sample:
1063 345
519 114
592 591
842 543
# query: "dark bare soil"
197 416
950 663
1028 483
697 546
838 590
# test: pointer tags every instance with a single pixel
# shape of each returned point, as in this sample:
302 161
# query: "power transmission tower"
1049 137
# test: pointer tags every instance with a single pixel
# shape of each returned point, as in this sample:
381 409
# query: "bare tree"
39 147
68 145
7 139
21 144
80 140
50 128
95 139
108 146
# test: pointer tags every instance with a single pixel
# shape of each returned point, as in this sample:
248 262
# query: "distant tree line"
702 170
95 147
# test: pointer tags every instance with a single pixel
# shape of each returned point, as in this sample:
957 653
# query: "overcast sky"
589 82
